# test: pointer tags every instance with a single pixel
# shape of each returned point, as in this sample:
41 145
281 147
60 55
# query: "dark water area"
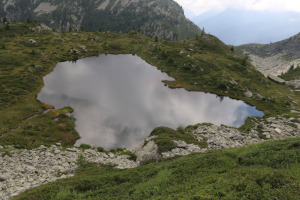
119 99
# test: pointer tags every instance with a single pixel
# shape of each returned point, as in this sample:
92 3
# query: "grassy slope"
205 65
269 170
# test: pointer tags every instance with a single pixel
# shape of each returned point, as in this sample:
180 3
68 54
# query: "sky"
200 6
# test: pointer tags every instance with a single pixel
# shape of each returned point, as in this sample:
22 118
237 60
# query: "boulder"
276 79
277 130
32 41
248 94
146 152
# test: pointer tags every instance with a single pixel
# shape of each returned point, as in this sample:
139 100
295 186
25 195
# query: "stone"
146 152
277 130
2 178
259 96
57 151
268 136
32 41
176 151
248 94
181 144
276 79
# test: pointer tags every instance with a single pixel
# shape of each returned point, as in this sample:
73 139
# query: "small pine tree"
203 32
244 62
232 48
156 39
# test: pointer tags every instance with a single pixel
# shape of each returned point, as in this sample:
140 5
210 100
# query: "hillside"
164 19
237 26
275 58
29 51
264 171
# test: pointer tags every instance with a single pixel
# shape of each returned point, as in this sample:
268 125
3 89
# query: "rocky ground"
272 65
23 169
219 137
294 83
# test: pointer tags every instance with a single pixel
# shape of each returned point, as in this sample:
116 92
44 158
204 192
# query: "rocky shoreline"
23 169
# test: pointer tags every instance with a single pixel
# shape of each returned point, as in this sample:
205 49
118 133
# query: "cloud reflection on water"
119 99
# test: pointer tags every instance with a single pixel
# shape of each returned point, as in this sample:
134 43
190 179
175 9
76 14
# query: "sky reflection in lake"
119 99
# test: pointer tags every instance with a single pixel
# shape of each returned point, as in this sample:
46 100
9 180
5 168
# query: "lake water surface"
119 99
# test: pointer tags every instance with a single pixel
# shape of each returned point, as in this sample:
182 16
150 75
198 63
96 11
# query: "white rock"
248 94
146 152
278 130
32 41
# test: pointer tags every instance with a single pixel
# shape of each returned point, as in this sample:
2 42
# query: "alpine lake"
119 99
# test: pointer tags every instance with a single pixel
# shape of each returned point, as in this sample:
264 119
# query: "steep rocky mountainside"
161 18
275 58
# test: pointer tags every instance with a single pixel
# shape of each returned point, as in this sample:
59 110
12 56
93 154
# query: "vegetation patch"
292 74
166 137
121 151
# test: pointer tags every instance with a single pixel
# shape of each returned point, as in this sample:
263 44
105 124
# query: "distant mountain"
238 27
164 18
275 58
204 16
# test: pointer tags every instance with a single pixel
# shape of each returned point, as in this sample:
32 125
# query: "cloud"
200 6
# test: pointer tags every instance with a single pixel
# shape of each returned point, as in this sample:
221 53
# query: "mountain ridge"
275 58
164 19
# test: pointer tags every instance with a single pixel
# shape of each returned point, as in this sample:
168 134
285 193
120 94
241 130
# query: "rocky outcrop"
147 150
183 149
219 137
272 128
